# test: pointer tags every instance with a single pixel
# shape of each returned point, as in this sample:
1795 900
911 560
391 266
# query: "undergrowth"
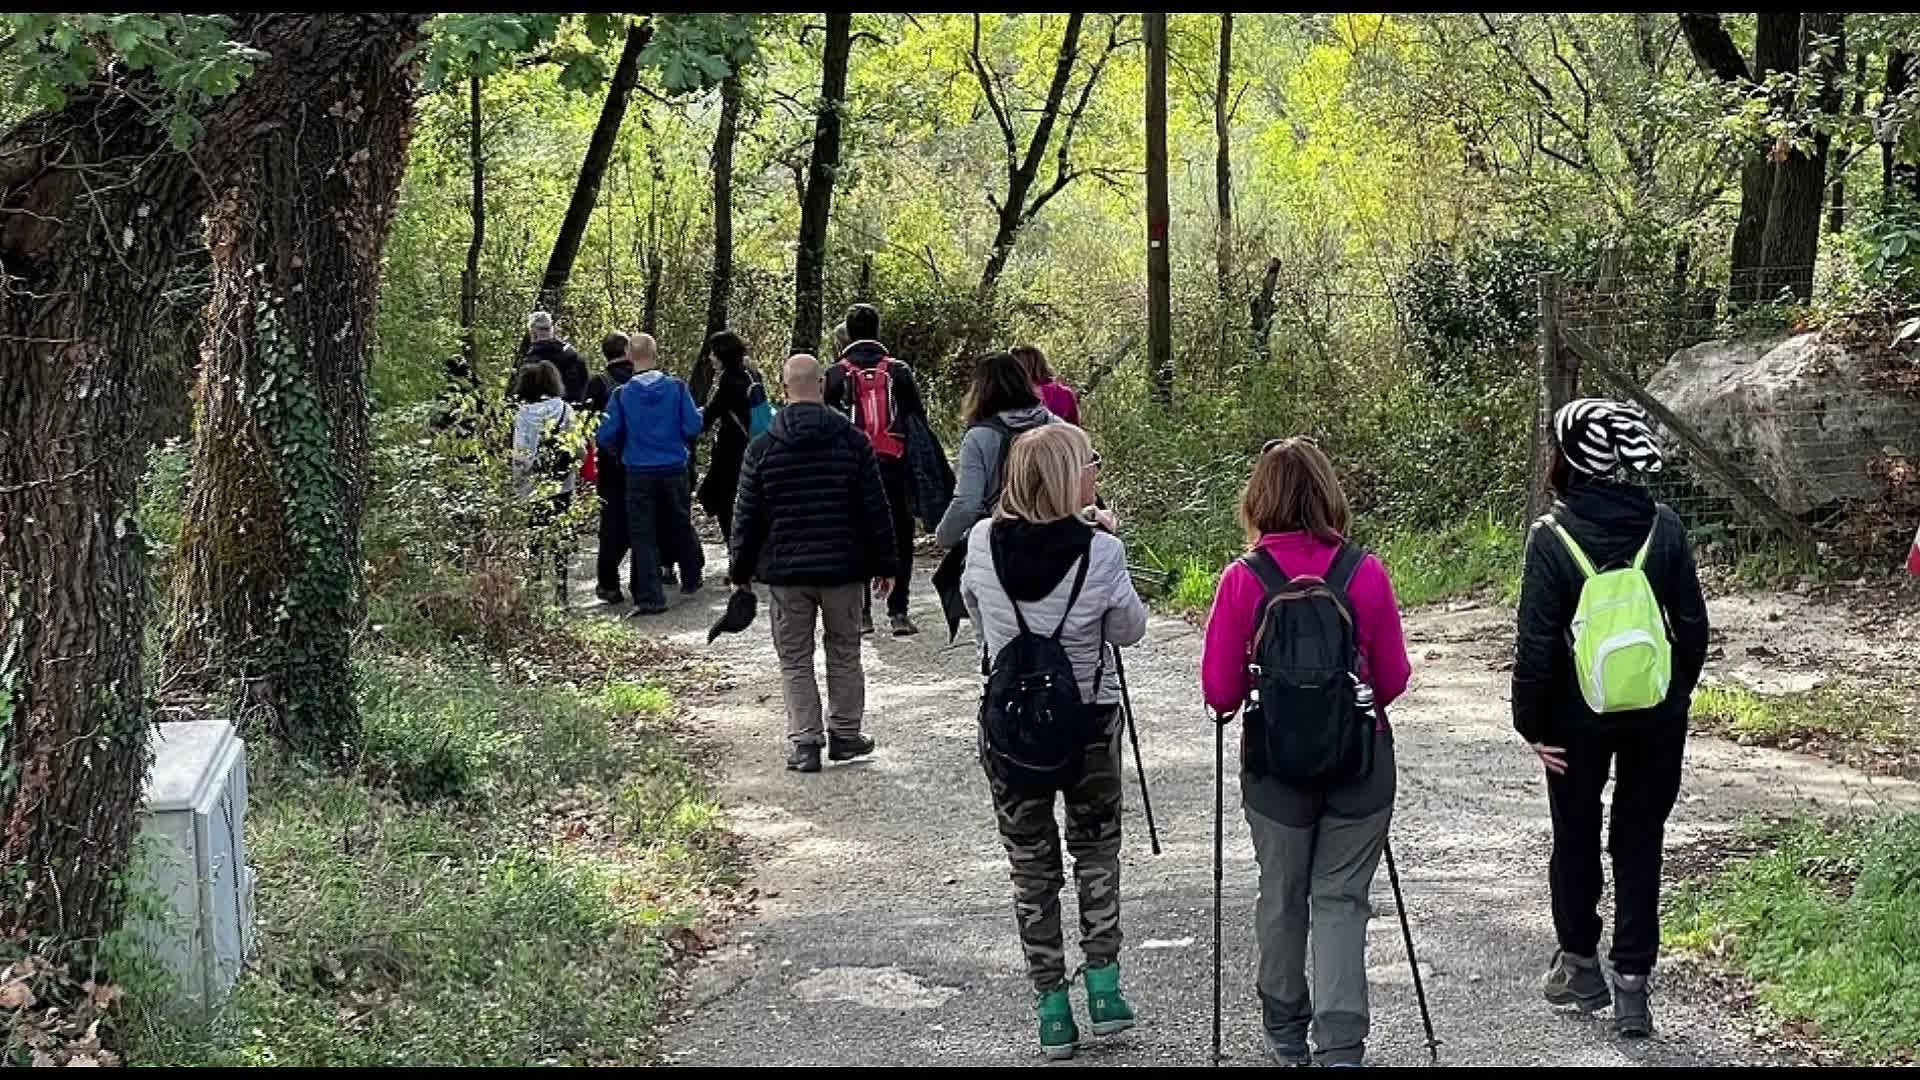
1826 925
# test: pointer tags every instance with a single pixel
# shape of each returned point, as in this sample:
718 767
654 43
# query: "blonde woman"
1046 582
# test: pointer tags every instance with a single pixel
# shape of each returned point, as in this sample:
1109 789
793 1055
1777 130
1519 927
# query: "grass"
1425 567
1832 711
500 883
1826 925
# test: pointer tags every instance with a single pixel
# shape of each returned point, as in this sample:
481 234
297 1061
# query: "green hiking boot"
1107 1007
1059 1038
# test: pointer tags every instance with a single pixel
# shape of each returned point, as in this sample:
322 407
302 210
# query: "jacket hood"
808 424
545 410
1023 419
864 353
619 371
1032 559
551 347
649 386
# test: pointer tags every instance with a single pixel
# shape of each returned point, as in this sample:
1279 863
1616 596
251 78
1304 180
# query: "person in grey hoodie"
1001 404
543 463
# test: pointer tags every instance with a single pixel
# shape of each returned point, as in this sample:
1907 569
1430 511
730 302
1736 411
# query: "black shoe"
903 626
640 610
692 586
610 596
1576 980
847 747
804 758
1632 1016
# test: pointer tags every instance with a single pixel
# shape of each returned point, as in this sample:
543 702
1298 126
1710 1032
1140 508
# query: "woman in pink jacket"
1317 846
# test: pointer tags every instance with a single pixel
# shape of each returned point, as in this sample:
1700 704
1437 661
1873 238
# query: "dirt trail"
884 934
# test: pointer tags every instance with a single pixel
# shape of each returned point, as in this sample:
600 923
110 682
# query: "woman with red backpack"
1318 790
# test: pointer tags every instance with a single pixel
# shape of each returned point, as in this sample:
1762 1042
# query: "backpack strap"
1640 560
1073 597
1346 563
1267 569
1573 547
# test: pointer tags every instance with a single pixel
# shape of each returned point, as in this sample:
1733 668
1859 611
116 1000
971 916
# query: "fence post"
1555 380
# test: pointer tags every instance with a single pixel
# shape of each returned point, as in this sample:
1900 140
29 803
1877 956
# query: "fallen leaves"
55 1018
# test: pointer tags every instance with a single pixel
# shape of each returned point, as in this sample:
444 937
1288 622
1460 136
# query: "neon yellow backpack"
1621 653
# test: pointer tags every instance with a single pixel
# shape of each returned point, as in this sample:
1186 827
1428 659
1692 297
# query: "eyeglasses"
1272 444
1094 461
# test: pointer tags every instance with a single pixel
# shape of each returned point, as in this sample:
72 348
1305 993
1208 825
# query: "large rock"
1798 414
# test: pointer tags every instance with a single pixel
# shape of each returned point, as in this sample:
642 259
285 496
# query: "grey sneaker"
1632 1018
1577 981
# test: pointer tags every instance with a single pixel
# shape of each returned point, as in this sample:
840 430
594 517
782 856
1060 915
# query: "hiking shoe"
804 758
903 626
1577 981
1059 1038
692 586
847 747
610 596
658 607
1286 1054
1107 1007
1632 1018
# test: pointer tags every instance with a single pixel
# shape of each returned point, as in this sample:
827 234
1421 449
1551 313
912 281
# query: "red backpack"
872 392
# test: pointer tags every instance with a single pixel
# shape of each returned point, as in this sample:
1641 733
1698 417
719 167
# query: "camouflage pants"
1032 839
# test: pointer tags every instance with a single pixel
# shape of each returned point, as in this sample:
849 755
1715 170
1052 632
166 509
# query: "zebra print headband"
1603 438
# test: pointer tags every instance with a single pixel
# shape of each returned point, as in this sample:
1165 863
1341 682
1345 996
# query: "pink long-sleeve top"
1224 681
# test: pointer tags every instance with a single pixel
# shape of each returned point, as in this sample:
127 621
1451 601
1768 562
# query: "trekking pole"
1219 860
1406 931
1126 703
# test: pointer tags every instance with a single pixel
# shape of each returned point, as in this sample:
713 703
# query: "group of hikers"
1303 647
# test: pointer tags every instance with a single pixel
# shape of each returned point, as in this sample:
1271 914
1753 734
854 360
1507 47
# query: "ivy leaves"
193 58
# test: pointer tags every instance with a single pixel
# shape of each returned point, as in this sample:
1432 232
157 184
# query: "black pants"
552 546
896 476
1647 768
660 511
613 526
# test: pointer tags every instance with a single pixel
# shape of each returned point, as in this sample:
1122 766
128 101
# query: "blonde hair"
1293 489
1043 474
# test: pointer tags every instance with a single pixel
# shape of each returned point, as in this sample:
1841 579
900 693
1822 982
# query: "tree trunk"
1791 240
1837 217
477 210
95 209
1159 269
268 579
1222 162
1895 174
720 284
1263 309
656 258
593 167
810 259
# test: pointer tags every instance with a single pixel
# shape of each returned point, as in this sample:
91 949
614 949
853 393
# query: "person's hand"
882 586
1553 757
1223 718
1105 519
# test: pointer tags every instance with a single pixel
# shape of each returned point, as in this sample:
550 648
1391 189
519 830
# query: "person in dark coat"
812 521
610 479
729 415
1600 451
544 343
865 357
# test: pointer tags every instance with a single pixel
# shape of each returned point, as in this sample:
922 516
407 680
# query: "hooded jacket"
811 509
548 418
649 422
904 391
601 388
573 370
1610 522
983 455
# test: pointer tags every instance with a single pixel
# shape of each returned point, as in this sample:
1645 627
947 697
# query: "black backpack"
1305 725
1033 723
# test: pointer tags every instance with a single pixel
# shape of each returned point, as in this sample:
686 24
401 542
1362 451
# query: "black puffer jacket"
811 509
1610 522
573 370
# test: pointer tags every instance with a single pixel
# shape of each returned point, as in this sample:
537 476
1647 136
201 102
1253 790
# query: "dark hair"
1034 361
1293 489
615 345
999 384
537 382
1562 477
863 322
728 348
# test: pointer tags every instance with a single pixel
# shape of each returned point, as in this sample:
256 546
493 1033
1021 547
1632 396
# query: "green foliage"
191 57
315 612
1827 925
1470 314
691 50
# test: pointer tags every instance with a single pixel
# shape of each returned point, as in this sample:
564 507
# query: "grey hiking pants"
1317 859
793 615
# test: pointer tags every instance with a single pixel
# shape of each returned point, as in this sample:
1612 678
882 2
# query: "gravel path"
884 933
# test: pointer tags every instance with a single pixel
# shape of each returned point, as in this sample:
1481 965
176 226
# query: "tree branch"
1063 173
1057 93
986 88
1713 48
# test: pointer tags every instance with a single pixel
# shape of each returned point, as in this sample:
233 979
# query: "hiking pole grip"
1133 733
1219 862
1406 933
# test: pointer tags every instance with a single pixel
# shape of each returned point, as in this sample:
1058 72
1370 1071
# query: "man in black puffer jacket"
811 520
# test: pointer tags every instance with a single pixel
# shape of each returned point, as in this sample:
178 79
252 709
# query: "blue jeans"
660 528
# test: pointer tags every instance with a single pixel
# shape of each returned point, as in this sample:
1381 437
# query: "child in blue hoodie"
649 423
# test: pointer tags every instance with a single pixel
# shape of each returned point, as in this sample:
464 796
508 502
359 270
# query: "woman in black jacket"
729 414
1601 450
